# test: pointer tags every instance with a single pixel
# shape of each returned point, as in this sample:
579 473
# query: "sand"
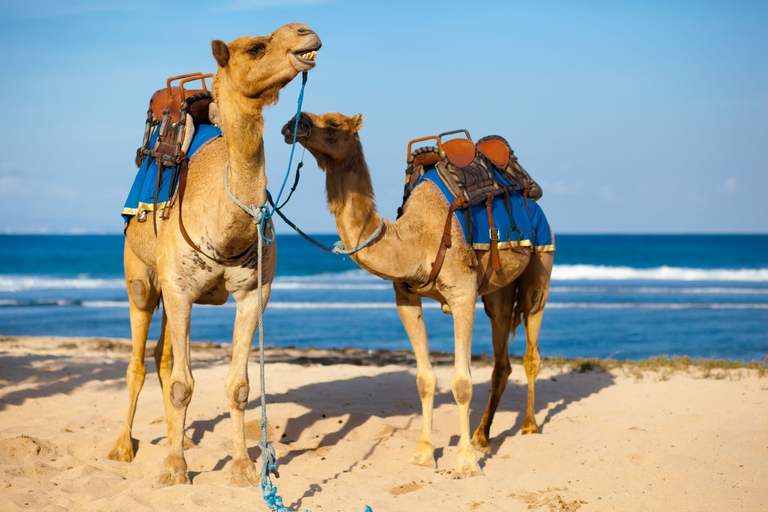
344 423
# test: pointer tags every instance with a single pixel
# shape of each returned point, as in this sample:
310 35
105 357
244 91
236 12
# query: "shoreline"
120 348
614 435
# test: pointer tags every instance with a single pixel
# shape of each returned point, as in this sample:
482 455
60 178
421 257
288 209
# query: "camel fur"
404 252
251 72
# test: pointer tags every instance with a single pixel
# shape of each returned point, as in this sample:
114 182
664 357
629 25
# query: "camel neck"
351 198
245 152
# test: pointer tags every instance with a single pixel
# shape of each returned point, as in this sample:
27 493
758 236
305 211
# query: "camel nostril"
304 31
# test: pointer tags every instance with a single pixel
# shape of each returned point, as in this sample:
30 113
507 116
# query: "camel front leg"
409 308
163 362
498 307
533 293
463 323
181 385
143 297
237 384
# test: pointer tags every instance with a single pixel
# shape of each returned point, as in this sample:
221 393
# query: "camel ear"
358 120
220 52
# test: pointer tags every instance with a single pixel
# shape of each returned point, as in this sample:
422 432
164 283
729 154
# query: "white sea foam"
13 283
361 280
427 305
664 273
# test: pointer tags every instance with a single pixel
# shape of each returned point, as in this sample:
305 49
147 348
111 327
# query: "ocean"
619 296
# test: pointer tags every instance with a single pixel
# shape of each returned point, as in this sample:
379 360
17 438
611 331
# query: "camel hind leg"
498 307
143 296
532 296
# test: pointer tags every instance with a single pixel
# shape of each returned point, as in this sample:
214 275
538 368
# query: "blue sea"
619 296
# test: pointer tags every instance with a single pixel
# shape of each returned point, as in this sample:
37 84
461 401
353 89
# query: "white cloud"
731 186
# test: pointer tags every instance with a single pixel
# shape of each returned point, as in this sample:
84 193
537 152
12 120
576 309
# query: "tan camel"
251 72
404 252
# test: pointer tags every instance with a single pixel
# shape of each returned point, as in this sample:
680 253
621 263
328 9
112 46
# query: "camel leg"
463 322
164 363
533 293
237 387
498 307
181 385
143 297
409 308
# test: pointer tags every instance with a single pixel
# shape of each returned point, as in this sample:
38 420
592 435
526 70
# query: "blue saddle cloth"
531 226
142 195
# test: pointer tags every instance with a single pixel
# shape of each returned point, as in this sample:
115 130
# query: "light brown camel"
404 252
251 72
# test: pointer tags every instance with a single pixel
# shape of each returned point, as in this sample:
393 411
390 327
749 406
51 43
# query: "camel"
251 72
404 252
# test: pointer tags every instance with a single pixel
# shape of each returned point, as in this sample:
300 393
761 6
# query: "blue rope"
266 214
260 216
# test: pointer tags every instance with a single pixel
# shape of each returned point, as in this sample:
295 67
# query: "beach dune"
344 423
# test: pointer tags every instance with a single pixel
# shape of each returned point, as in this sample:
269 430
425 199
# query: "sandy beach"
344 424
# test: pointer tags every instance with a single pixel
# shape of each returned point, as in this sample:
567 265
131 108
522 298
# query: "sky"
633 116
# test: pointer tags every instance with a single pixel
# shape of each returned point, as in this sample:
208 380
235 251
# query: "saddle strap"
445 241
494 234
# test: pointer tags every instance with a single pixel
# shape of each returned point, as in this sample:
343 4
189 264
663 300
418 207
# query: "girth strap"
493 233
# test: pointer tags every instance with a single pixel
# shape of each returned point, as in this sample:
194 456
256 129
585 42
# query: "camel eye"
256 50
333 124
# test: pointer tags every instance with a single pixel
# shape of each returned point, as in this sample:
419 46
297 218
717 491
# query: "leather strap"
445 241
494 243
182 188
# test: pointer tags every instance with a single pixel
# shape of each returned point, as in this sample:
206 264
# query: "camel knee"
462 390
181 394
426 385
139 291
238 396
136 371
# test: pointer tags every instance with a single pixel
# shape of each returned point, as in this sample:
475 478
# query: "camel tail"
517 311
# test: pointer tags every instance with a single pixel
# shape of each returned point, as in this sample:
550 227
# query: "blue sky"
635 117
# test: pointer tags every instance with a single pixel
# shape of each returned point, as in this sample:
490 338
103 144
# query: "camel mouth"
304 129
304 59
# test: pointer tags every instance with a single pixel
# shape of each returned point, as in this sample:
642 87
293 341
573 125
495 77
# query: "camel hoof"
122 452
424 455
480 442
174 472
244 474
466 464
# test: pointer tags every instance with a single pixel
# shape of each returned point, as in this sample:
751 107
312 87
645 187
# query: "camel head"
330 137
258 67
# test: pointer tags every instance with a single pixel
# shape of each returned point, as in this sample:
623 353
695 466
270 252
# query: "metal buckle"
492 232
141 217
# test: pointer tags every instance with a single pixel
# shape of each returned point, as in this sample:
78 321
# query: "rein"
338 247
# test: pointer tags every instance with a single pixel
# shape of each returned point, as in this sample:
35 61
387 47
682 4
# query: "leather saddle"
469 170
174 114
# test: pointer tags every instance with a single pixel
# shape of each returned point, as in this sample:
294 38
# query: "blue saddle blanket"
142 195
531 228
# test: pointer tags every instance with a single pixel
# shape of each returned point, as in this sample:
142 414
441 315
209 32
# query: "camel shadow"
51 374
394 394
